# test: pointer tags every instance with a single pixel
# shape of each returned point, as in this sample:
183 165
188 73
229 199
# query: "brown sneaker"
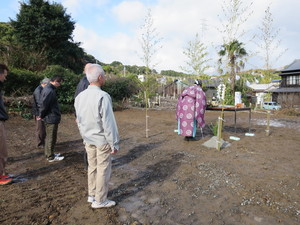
4 181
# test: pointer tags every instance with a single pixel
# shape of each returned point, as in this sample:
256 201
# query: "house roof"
260 87
294 66
276 81
286 90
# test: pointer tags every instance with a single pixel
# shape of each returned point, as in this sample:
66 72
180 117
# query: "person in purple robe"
190 110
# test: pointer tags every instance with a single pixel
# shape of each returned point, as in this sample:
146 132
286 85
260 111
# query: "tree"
149 44
12 53
234 54
6 42
235 14
269 43
46 30
197 57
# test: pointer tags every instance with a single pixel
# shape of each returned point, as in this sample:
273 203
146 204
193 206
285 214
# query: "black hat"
198 82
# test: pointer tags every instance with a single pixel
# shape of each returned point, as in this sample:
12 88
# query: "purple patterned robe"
190 111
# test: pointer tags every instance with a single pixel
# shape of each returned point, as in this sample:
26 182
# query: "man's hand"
115 151
38 118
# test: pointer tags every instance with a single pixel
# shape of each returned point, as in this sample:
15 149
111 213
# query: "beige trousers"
99 170
3 148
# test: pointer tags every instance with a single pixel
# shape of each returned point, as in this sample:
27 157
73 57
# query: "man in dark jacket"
4 179
50 113
83 83
40 125
81 86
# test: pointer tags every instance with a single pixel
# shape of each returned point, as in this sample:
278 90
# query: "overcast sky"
110 30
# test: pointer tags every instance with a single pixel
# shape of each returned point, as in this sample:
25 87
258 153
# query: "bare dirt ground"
162 179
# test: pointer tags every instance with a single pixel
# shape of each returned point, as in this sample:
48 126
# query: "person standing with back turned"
40 125
98 128
81 86
190 111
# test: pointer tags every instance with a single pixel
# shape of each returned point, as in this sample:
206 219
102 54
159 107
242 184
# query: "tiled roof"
260 87
293 66
285 90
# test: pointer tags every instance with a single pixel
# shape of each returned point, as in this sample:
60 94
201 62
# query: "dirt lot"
162 179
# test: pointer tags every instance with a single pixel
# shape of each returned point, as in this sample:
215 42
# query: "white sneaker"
56 158
91 199
105 204
56 154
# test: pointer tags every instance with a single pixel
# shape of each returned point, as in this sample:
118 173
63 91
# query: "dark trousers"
40 133
3 148
51 137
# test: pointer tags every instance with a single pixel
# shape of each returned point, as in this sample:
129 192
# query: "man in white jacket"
98 128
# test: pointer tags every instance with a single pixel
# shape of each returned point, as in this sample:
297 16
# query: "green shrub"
214 128
21 82
20 108
120 88
66 108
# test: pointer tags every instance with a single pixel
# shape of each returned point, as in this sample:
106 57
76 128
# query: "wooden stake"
268 123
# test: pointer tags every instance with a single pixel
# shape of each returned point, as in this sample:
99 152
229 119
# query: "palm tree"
234 53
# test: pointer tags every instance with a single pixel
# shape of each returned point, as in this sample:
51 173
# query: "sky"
110 30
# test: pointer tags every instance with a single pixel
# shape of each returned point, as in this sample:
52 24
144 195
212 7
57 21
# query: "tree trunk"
232 79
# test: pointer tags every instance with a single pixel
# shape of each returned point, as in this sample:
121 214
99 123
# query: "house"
260 91
174 89
288 93
211 88
177 86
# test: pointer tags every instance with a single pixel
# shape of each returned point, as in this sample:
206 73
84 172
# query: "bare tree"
269 42
196 52
150 44
235 14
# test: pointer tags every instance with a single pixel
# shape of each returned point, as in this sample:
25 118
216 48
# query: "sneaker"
56 154
4 181
105 204
5 176
56 158
91 199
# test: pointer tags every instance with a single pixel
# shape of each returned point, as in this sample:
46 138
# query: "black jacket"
3 113
49 110
82 85
37 100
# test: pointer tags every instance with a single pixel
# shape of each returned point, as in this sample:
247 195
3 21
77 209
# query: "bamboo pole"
220 128
221 93
145 94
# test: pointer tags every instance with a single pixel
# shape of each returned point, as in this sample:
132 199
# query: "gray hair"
86 67
93 72
45 81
